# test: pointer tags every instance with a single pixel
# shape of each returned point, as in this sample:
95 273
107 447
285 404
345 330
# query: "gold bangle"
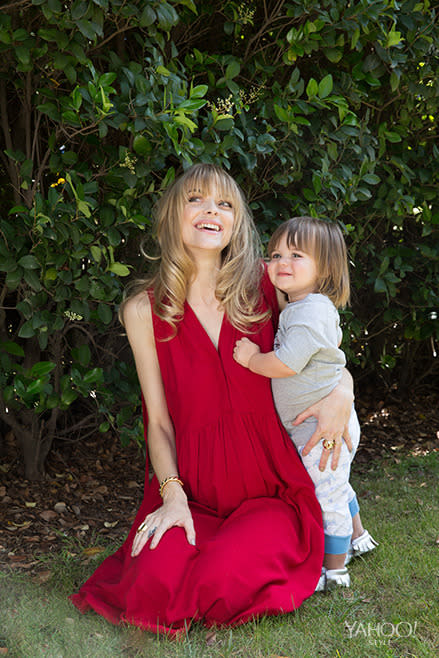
172 478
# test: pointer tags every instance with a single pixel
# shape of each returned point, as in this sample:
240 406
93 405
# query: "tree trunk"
34 447
34 439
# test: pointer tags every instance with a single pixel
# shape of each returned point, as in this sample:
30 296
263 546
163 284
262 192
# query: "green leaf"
392 137
312 88
82 354
224 124
162 70
12 348
281 113
96 252
42 368
93 376
232 70
29 262
141 145
119 269
185 121
87 29
105 313
393 38
199 91
26 330
147 17
325 86
333 54
372 179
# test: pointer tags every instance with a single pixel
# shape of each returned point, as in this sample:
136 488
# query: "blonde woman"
229 528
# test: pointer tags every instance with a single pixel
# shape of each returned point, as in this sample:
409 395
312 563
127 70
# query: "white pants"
333 490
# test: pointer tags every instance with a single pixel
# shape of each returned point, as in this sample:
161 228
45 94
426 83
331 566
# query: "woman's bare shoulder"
137 309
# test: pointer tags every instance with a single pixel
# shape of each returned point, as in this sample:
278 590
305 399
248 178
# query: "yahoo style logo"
381 633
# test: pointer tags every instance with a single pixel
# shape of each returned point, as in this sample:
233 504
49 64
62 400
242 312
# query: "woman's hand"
174 512
244 350
332 413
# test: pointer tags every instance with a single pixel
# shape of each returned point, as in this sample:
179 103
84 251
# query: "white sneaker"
321 585
337 578
362 544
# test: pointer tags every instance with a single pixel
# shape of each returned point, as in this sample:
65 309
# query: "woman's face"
207 221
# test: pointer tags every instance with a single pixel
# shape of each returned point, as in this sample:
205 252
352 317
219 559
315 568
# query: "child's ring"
328 444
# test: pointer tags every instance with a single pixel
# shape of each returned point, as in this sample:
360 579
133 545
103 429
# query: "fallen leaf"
60 508
3 651
30 504
42 577
23 525
48 515
210 638
2 491
107 524
93 550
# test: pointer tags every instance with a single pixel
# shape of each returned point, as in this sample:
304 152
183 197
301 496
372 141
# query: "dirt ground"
93 488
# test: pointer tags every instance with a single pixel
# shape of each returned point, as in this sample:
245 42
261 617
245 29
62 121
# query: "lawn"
392 608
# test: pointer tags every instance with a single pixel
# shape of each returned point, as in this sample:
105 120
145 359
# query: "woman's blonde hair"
325 243
239 276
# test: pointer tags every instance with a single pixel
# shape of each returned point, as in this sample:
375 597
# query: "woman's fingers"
154 527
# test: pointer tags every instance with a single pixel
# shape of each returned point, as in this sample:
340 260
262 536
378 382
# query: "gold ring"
328 444
142 527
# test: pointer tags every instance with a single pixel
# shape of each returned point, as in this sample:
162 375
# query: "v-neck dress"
259 538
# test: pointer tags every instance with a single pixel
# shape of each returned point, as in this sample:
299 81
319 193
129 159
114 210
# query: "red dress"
259 538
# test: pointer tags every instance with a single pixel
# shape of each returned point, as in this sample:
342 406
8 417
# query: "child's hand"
244 350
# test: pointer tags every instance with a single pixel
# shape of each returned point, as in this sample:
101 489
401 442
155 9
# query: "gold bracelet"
172 478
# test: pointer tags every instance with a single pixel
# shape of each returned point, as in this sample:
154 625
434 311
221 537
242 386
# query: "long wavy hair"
237 286
323 241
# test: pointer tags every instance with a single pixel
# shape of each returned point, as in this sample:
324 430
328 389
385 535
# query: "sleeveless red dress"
259 538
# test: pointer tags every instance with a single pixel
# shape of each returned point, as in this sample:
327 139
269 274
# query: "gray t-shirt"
307 342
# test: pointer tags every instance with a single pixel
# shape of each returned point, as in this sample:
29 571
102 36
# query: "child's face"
292 271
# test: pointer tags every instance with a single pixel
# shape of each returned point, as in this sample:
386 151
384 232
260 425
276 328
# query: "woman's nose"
211 206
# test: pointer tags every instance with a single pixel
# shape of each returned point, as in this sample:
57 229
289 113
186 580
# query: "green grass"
396 588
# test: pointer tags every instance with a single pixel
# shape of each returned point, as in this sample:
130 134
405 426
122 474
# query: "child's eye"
227 204
275 256
193 198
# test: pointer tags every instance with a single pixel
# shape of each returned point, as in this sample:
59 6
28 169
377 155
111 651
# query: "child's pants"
334 493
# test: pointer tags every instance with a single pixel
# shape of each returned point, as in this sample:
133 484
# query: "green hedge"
328 109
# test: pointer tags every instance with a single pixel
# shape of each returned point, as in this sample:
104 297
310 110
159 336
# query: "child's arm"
249 355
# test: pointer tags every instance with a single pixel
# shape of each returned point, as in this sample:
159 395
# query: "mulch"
93 487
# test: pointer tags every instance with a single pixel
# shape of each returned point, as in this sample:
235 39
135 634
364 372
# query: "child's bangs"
302 237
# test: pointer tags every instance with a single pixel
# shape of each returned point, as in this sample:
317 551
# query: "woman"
229 528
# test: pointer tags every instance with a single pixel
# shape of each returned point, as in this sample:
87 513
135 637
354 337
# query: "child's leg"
333 492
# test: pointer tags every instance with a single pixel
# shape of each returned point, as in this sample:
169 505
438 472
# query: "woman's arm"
332 413
161 440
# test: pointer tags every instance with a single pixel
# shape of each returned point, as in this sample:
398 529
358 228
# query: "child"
308 262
